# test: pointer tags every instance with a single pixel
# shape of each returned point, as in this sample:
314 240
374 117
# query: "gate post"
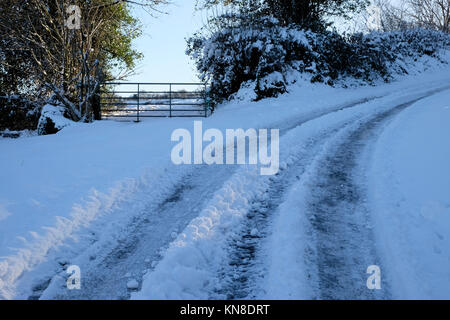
170 100
138 102
97 104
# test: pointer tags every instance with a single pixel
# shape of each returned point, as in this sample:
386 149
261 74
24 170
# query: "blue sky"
163 43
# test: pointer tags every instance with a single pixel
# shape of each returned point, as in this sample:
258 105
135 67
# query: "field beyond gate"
140 100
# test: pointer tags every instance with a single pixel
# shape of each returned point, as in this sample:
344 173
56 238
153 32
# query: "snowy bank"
410 185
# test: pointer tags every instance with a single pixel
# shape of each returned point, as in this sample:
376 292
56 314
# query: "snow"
286 252
410 184
133 284
187 270
55 188
54 113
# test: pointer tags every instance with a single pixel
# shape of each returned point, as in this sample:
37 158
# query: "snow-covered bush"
256 52
53 119
387 54
243 49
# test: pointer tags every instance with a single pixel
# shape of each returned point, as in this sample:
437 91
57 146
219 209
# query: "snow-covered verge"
53 187
410 185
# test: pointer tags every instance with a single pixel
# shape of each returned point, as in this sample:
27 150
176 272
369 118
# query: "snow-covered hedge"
18 113
260 53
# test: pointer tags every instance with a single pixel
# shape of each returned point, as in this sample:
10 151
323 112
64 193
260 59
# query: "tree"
411 14
432 14
311 14
44 55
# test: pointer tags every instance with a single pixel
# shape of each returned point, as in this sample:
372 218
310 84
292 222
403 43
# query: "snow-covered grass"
53 187
410 188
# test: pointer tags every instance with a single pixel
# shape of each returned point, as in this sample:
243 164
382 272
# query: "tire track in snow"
341 222
136 252
240 275
244 270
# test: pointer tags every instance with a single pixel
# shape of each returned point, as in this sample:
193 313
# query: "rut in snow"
238 275
242 273
341 223
138 250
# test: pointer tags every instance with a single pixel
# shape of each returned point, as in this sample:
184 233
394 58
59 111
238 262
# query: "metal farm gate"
139 100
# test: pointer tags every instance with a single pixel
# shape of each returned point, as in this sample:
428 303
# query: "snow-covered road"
315 242
337 221
226 232
108 270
